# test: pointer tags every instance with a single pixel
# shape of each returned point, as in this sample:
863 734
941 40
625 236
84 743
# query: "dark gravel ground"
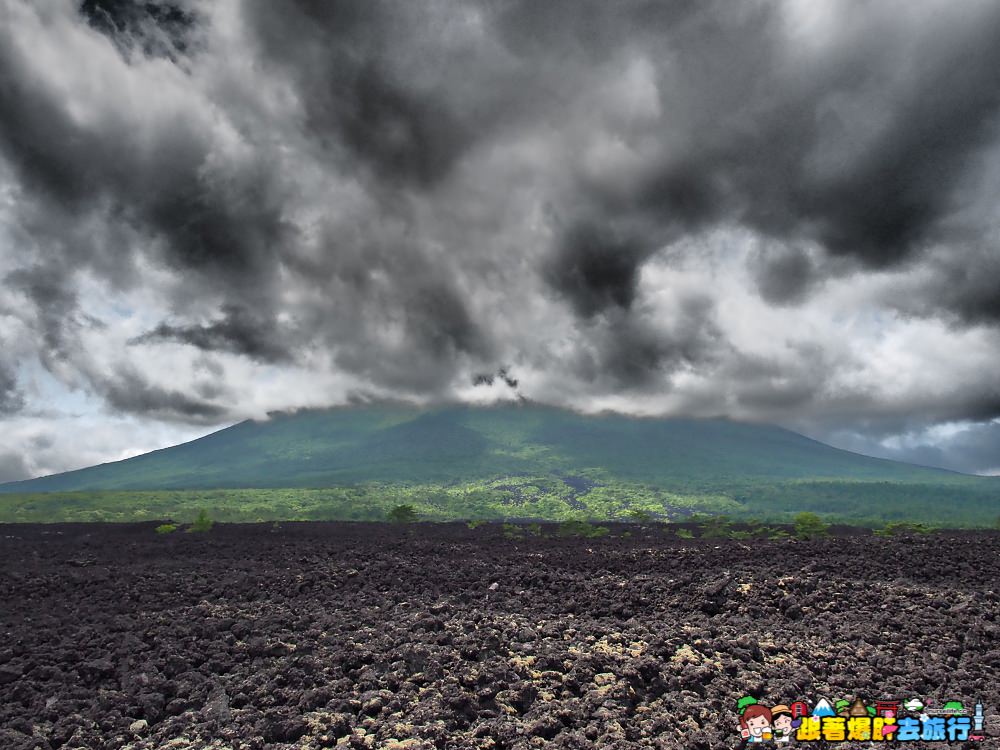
371 636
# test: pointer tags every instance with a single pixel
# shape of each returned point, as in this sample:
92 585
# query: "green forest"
522 498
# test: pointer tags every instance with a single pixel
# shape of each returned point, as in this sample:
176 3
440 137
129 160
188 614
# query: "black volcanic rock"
425 655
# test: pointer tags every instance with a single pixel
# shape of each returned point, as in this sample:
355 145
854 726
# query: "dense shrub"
899 528
810 526
641 516
716 527
402 514
202 523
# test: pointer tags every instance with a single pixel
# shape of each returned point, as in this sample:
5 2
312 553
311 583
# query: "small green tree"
810 526
202 523
716 527
640 516
402 514
902 528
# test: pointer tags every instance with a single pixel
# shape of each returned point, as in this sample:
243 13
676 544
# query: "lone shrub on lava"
641 516
166 528
402 514
202 523
902 528
716 527
810 526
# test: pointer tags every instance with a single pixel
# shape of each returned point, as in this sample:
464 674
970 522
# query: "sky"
781 211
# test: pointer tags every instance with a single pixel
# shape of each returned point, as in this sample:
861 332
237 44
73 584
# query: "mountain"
398 443
500 448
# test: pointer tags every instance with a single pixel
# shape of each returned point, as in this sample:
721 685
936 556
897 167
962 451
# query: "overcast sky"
776 211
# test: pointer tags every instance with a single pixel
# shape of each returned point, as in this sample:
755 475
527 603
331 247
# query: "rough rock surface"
373 636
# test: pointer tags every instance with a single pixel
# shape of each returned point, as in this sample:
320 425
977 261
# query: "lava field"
319 635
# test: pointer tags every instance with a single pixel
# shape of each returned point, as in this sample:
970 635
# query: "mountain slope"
389 443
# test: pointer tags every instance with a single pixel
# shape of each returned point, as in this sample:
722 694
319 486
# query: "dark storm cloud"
799 164
225 228
359 102
441 323
55 302
980 409
11 397
224 225
964 285
239 331
434 330
550 32
156 28
402 135
974 449
127 391
639 351
768 386
408 194
13 467
784 275
798 172
595 267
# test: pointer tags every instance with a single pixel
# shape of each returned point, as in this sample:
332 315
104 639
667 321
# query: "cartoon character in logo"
755 723
783 723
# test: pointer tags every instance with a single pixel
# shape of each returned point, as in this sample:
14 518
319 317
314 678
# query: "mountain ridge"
378 442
